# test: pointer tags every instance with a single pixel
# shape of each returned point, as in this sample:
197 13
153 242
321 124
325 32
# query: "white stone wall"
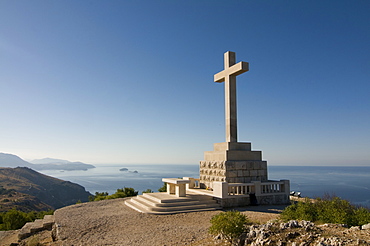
277 199
232 172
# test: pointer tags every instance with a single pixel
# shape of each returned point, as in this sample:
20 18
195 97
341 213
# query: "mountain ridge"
10 160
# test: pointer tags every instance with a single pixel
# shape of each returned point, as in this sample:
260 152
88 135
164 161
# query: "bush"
362 216
230 225
99 196
120 193
147 191
34 241
38 215
163 188
327 210
14 219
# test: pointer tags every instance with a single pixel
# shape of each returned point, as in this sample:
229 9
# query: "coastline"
348 182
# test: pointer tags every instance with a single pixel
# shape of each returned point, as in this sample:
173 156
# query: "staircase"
163 203
31 228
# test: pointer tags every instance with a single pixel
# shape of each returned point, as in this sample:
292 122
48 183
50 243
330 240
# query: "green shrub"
362 216
99 196
327 210
128 191
39 215
230 225
14 219
120 193
335 210
34 241
300 211
163 188
147 191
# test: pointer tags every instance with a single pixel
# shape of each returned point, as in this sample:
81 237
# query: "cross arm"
234 70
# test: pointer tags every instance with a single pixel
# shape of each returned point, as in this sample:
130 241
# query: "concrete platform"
163 203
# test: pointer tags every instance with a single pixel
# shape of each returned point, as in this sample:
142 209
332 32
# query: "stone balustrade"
273 187
225 190
236 189
234 194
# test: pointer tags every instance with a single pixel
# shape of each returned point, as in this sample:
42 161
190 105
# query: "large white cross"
228 75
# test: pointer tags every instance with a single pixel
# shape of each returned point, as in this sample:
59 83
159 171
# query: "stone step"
182 208
25 231
187 202
142 209
48 221
136 207
163 197
31 228
163 203
172 206
37 226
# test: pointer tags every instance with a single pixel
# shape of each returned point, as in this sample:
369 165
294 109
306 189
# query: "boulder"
366 227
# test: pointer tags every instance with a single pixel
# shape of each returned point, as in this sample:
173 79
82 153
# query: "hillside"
57 164
10 199
9 160
48 190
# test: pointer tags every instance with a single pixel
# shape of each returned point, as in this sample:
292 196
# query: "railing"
223 189
272 187
240 189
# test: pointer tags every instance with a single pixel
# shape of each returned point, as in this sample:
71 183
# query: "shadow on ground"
274 209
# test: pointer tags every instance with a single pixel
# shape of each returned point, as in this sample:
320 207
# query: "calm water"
351 183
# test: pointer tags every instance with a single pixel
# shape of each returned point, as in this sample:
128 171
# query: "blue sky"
132 81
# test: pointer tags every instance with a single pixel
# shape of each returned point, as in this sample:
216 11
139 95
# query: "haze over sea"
348 182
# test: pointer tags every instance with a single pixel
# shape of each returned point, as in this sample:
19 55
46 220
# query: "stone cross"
228 75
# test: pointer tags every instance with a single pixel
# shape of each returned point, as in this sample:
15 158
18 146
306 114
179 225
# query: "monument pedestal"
232 162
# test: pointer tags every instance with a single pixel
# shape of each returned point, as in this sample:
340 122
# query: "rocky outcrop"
302 233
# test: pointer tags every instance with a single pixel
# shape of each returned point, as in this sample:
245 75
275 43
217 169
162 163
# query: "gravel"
111 222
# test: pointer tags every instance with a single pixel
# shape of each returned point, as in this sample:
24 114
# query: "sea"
347 182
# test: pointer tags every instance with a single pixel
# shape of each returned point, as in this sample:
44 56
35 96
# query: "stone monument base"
271 199
231 172
232 162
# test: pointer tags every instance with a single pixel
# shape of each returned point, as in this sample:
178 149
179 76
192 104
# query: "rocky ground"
303 233
110 222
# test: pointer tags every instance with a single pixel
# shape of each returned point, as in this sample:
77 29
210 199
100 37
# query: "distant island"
9 160
126 170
